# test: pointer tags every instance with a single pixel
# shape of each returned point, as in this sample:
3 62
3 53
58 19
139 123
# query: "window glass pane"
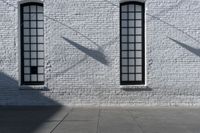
34 70
131 23
33 8
39 8
40 78
131 62
26 31
131 54
33 39
124 15
33 31
33 77
40 16
27 70
138 46
124 24
33 47
131 69
138 8
26 24
138 69
26 16
138 61
124 31
138 39
26 9
26 78
26 55
41 62
40 54
33 16
131 39
131 15
33 24
124 47
131 77
26 62
124 38
124 62
40 70
26 40
33 62
131 7
131 31
138 15
124 70
138 53
40 39
26 47
138 77
138 31
124 8
124 77
124 54
40 24
138 23
40 32
40 47
33 54
131 46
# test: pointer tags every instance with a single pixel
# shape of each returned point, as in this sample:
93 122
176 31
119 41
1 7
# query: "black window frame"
142 82
23 82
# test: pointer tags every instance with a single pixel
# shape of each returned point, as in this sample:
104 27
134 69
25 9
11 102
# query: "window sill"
33 87
135 88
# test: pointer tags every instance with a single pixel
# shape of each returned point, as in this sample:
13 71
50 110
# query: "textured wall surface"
82 55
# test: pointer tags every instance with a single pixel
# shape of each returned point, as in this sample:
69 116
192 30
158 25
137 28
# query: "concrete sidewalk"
99 120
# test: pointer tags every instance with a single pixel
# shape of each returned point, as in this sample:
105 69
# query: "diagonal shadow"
69 68
85 58
111 3
189 48
95 54
21 111
164 11
173 26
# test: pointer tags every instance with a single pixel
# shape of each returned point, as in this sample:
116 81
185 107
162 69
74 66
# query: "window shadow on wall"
137 89
95 54
15 117
189 48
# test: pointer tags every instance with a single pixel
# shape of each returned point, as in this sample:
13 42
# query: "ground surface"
99 120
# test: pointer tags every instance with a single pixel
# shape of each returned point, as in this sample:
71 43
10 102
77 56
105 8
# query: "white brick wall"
74 78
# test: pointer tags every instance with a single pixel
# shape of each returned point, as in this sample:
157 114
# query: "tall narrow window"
132 45
32 44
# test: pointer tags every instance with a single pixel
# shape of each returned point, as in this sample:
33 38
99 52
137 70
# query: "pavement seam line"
60 121
135 121
98 121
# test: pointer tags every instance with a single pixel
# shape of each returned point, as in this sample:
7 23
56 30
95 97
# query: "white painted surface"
73 77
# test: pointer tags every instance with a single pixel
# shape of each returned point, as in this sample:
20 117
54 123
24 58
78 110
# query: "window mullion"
128 40
134 43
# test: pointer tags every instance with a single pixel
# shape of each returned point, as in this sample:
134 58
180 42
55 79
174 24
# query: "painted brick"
74 78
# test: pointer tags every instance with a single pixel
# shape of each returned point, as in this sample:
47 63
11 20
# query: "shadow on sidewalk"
17 118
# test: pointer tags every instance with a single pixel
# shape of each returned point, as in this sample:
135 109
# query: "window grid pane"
32 37
132 43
